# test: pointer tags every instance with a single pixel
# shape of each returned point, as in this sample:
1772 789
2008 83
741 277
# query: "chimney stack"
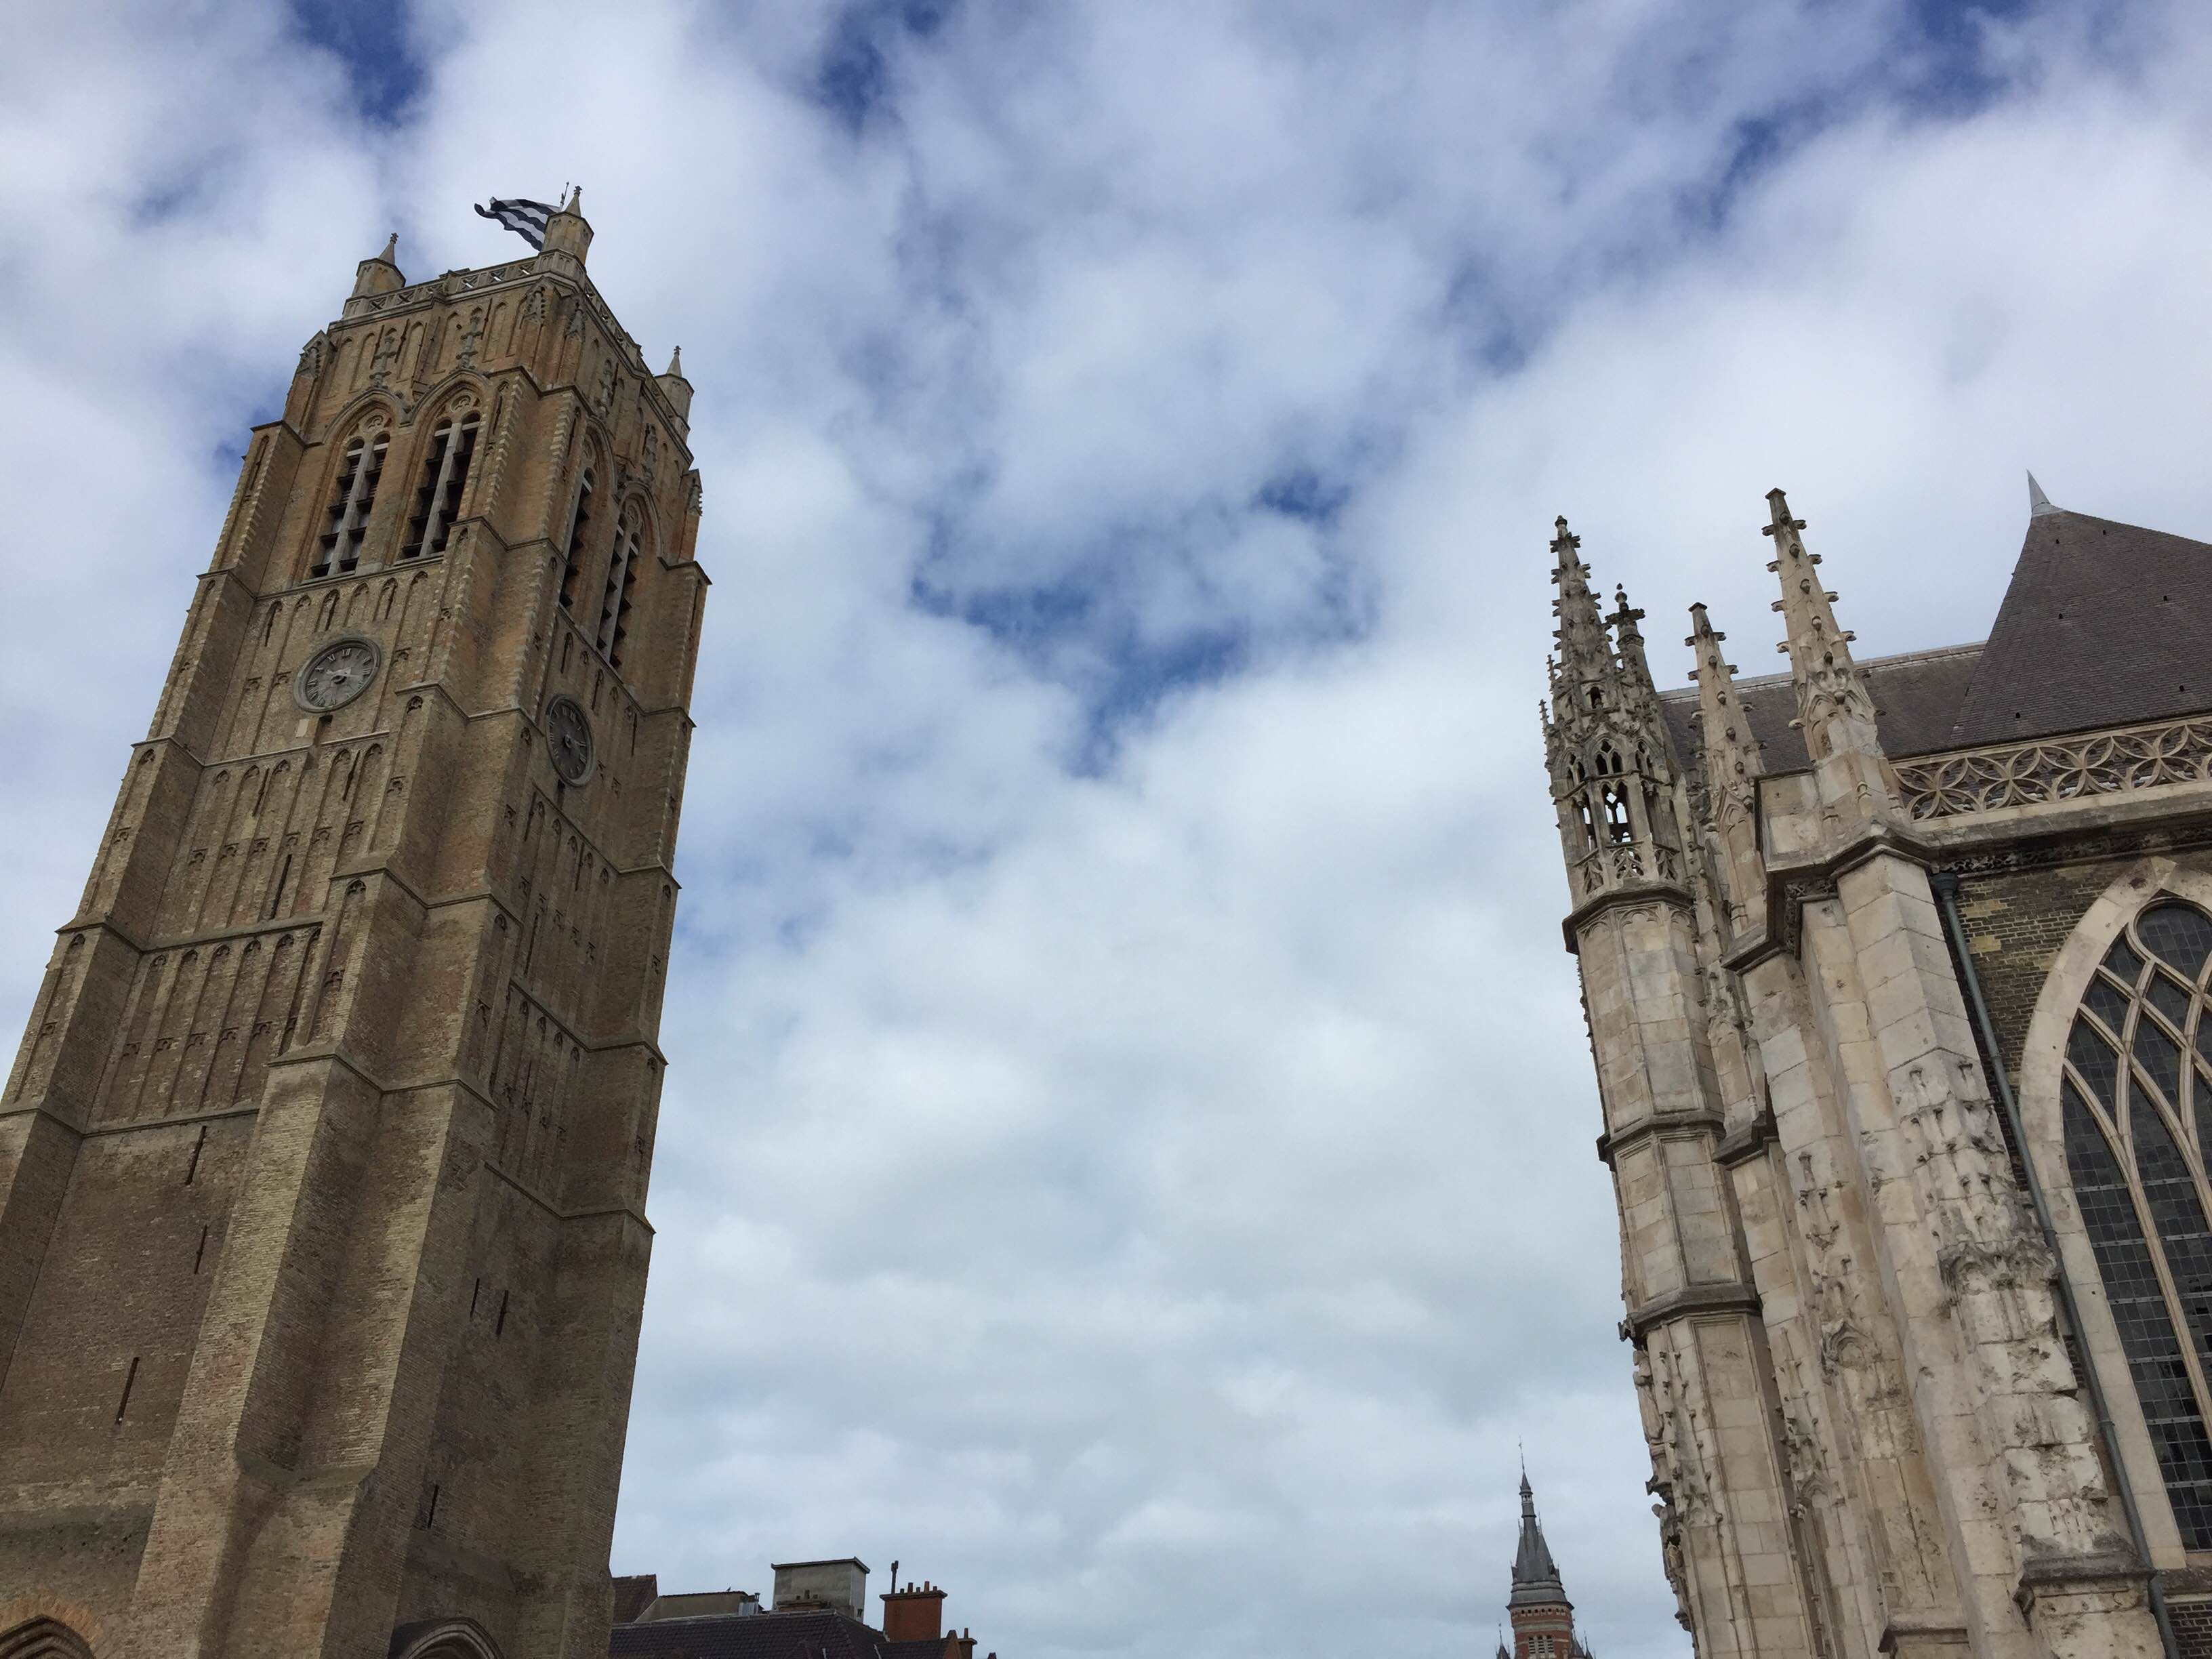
840 1586
913 1615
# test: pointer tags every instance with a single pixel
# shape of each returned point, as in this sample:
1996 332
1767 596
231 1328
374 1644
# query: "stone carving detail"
2026 773
387 352
471 337
1606 867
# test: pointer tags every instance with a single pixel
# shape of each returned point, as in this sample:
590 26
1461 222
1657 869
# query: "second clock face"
569 738
336 675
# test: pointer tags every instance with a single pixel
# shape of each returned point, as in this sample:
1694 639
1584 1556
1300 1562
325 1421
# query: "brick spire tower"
323 1163
1543 1618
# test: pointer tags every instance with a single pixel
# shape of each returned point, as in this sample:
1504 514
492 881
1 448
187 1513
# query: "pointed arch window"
579 522
438 496
352 498
2136 1104
622 584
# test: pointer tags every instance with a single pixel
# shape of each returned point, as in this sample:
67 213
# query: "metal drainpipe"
1946 886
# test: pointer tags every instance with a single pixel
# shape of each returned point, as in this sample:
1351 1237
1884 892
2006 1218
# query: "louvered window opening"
438 498
579 523
622 582
2137 1130
352 498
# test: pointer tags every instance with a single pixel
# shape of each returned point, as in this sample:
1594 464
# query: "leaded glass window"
2135 1102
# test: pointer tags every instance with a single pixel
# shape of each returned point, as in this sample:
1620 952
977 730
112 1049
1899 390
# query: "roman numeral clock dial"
336 674
569 739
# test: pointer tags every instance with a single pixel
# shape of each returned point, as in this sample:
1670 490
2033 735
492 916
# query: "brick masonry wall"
2015 921
2193 1627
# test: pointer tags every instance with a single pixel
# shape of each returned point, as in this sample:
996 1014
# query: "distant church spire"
1536 1575
2037 502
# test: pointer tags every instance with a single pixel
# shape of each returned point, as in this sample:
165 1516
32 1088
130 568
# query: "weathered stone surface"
323 1163
1890 1451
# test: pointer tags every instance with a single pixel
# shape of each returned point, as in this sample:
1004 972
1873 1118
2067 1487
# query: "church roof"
1536 1575
2101 626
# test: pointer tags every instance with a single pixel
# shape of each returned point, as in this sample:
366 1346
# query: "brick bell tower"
1543 1618
322 1165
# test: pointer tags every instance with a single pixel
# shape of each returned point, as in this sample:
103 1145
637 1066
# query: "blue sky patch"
372 41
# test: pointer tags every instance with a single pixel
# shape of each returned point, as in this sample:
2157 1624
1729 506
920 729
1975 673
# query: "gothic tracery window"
351 499
2136 1101
438 497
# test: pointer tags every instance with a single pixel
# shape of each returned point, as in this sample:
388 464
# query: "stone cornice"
1686 1303
1652 892
1658 1124
1744 1142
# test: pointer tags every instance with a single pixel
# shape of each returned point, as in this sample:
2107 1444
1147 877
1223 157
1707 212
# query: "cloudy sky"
1127 1154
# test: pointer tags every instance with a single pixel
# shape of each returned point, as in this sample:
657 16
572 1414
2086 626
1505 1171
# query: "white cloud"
1146 1186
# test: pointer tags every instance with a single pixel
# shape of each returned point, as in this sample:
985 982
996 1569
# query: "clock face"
336 675
569 739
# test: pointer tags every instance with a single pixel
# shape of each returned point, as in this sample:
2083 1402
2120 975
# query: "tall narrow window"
579 523
2136 1104
351 498
438 498
621 582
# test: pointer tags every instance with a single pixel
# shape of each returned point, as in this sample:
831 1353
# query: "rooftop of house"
814 1617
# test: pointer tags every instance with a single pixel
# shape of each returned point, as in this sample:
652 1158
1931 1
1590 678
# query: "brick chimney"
913 1615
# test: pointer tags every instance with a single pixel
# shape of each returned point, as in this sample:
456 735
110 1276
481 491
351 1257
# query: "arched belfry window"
352 496
2135 1099
622 584
580 524
438 496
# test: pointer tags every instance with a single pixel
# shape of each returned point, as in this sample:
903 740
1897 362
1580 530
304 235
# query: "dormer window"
351 499
438 497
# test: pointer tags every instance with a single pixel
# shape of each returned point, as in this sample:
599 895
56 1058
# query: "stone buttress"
1941 1486
1720 1470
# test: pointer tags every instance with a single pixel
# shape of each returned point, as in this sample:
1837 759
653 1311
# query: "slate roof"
2102 625
634 1593
1916 699
755 1635
1536 1575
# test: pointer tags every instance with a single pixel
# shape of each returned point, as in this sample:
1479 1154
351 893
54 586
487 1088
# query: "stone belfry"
322 1165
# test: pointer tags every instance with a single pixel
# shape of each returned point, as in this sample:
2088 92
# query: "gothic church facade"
1896 974
323 1163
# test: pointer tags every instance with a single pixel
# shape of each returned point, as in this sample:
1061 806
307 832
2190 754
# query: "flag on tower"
525 219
